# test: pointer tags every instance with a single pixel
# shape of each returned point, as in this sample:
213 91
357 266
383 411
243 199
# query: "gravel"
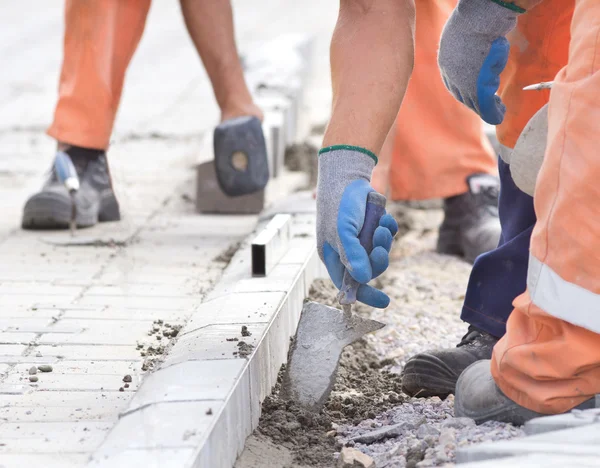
427 292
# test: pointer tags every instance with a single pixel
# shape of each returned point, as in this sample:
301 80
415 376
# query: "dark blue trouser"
499 276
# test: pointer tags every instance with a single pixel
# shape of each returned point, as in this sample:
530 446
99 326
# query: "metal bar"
271 244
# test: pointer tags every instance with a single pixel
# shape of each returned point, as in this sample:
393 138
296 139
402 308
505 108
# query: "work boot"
434 373
479 398
95 200
471 225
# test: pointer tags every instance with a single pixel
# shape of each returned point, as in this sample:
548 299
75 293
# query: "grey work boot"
434 373
471 225
479 398
51 207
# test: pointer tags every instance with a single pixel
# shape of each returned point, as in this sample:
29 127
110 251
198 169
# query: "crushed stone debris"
152 351
245 331
33 378
209 412
32 370
367 410
127 378
121 389
45 368
352 458
244 349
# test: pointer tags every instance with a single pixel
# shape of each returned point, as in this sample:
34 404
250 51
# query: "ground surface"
98 313
427 290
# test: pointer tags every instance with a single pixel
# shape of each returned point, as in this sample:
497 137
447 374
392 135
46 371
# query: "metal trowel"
323 331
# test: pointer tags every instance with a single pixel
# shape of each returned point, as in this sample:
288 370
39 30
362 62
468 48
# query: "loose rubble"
352 458
154 351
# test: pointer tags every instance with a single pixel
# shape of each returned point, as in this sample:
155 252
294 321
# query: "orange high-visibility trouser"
549 359
438 141
100 39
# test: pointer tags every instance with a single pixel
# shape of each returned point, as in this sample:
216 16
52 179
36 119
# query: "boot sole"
426 375
50 210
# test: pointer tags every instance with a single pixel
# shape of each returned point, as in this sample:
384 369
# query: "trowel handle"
373 213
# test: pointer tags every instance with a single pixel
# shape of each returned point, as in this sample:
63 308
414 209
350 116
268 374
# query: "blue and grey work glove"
474 51
342 190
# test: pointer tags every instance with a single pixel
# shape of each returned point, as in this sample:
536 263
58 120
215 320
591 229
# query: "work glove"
474 51
342 190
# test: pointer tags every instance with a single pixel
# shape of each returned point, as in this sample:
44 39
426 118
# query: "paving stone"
90 352
90 367
105 332
22 324
576 441
16 338
65 399
140 302
28 360
537 460
73 382
214 342
562 421
27 311
10 300
45 460
43 413
226 310
280 279
148 458
125 314
38 289
150 290
299 253
192 381
211 199
163 425
52 437
12 349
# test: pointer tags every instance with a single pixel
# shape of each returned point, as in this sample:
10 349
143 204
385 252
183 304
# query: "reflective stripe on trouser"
539 49
549 359
438 142
100 39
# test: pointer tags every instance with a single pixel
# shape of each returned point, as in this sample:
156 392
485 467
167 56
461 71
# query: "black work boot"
471 225
434 373
479 398
95 200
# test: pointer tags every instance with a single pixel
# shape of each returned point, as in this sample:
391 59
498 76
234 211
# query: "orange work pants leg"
539 50
100 39
549 359
437 142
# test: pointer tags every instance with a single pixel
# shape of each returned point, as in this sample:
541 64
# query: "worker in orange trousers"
547 360
100 39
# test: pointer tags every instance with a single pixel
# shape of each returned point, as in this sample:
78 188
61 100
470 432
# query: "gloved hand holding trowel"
343 188
354 235
354 238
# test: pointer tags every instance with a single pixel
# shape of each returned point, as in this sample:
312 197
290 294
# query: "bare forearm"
372 54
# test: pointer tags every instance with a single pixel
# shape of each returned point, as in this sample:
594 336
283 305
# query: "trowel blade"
323 333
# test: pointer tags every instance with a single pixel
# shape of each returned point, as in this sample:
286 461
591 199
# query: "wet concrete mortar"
367 410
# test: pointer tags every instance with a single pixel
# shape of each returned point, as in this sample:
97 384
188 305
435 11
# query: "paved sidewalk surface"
98 313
